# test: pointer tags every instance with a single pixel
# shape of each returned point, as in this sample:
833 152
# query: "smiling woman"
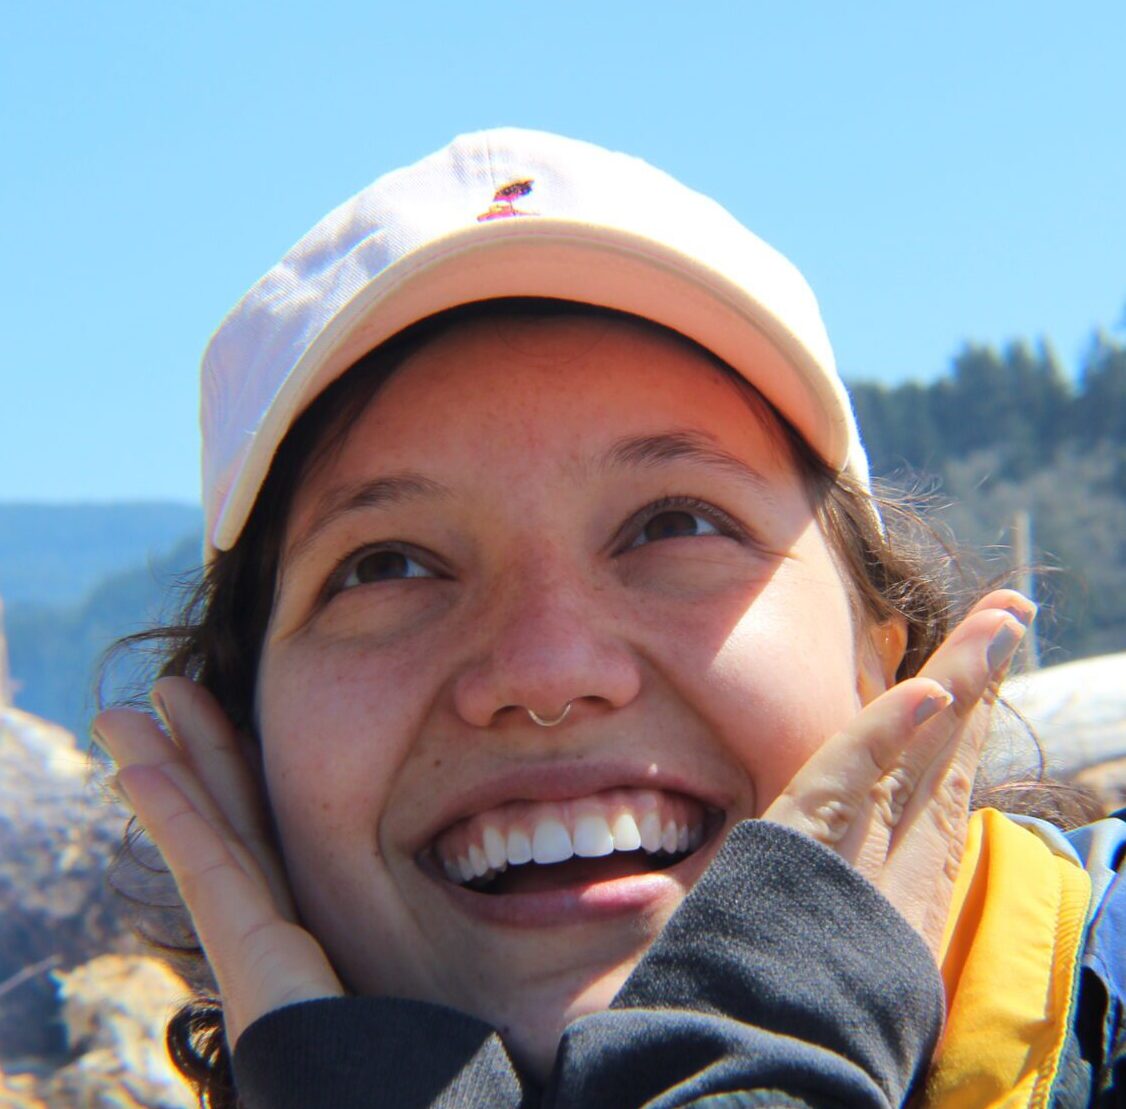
560 720
549 541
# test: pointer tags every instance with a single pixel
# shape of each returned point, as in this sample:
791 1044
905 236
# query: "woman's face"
533 513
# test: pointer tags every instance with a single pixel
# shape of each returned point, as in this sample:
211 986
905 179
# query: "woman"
568 726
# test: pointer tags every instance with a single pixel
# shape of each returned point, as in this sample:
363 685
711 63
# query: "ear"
880 652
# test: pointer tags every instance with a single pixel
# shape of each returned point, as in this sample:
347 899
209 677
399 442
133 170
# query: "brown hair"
903 568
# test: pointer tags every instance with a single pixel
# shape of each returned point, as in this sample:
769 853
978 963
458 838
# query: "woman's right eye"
380 564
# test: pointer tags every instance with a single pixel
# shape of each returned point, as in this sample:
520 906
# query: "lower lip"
581 903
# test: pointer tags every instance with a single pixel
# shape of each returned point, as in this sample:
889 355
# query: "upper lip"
562 780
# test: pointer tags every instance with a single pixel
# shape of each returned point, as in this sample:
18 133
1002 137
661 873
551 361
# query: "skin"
532 566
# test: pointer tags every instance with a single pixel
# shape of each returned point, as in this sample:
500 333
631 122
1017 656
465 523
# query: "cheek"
335 726
783 681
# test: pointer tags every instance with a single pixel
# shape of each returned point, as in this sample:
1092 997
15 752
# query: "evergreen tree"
1101 411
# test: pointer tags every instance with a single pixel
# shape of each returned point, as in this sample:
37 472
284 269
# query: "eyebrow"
645 451
695 447
394 489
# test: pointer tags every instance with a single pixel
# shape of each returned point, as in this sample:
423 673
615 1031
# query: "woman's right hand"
195 795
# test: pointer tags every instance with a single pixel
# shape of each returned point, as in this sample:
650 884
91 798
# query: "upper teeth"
590 827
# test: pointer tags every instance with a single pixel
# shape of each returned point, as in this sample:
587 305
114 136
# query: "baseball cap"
508 213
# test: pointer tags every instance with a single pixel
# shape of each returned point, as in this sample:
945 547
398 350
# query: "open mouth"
534 847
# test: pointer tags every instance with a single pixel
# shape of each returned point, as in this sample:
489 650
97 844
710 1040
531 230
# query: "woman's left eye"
679 521
382 564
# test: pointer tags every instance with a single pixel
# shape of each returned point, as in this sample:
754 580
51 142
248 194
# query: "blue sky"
941 173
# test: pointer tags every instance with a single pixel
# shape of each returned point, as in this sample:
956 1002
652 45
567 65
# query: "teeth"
496 850
626 835
650 832
477 860
592 837
551 843
519 847
518 833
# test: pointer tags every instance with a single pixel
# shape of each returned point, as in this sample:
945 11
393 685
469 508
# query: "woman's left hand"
891 792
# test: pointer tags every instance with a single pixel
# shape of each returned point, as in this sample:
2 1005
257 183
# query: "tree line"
1017 402
1008 430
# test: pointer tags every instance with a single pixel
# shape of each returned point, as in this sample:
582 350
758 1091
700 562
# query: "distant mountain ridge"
74 579
55 554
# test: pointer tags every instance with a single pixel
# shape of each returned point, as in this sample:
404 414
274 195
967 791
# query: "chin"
532 1031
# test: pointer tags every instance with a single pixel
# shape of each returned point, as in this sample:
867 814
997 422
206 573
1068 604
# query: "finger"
943 759
211 744
1015 604
973 659
925 848
833 790
929 837
858 789
971 665
261 960
212 747
133 738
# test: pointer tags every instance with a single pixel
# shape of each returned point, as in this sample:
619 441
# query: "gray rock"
1077 710
57 836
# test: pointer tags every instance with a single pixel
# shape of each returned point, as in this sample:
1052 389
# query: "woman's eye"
386 564
677 523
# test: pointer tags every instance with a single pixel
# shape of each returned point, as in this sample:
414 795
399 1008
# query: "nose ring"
544 722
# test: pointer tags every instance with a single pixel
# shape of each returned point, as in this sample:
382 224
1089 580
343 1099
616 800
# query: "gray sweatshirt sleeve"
353 1052
784 979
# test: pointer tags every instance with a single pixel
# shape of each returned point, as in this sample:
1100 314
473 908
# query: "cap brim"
543 257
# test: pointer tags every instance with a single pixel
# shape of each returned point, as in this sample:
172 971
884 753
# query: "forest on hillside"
1002 431
1008 431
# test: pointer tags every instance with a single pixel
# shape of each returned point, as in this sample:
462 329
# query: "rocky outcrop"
1078 713
82 1012
57 835
18 1092
115 1009
113 1012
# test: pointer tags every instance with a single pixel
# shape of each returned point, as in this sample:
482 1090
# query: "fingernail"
1024 616
1002 646
932 705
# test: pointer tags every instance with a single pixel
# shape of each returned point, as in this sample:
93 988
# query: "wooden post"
1028 653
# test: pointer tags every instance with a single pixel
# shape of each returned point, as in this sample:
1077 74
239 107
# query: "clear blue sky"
940 172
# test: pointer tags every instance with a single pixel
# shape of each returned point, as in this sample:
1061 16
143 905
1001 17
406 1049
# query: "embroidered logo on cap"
504 200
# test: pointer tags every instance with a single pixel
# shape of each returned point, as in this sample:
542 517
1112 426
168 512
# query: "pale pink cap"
499 214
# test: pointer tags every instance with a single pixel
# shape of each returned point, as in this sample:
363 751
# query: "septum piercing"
545 723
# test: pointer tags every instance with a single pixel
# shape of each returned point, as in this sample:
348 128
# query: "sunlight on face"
532 513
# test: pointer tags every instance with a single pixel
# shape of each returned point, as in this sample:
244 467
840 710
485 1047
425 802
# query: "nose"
547 643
